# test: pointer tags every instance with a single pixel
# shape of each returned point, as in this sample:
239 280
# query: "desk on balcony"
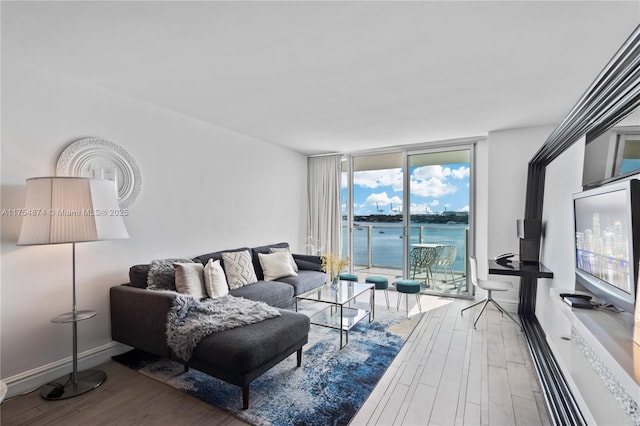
529 272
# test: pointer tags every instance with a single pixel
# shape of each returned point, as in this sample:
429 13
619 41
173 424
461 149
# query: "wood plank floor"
449 373
446 374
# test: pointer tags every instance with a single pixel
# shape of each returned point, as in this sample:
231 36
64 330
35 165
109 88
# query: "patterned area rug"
329 388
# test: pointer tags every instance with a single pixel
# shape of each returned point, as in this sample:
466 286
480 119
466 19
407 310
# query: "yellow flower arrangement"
334 265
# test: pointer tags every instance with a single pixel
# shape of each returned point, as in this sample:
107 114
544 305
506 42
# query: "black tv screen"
606 263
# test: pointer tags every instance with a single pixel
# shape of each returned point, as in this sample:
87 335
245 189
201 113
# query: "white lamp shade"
70 210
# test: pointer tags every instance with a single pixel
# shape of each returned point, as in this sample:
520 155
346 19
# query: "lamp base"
64 387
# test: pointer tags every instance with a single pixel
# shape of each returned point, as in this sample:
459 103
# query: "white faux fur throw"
191 320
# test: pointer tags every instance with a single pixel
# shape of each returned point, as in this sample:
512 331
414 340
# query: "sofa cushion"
273 293
305 281
246 348
276 265
263 249
190 279
238 268
308 261
215 281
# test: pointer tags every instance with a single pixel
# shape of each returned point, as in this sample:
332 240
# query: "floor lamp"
71 210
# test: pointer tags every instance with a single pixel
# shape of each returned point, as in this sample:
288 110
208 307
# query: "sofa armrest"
308 262
139 318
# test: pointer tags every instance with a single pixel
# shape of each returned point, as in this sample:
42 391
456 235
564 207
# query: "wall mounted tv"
607 231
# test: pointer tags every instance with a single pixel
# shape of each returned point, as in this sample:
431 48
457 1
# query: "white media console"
601 363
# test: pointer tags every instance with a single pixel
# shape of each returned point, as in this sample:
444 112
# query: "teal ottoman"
348 277
408 287
381 283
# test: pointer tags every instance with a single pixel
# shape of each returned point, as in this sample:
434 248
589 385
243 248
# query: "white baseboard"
31 380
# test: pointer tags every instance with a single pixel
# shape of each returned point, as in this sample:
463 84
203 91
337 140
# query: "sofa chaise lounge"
238 355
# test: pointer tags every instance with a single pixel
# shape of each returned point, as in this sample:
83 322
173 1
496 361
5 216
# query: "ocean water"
386 242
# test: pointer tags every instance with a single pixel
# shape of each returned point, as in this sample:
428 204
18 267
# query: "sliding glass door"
439 202
411 224
376 228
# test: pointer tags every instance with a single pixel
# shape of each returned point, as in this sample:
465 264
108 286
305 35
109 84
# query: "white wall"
507 154
563 178
204 188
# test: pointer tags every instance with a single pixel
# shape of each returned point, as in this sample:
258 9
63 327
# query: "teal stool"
381 283
348 277
408 287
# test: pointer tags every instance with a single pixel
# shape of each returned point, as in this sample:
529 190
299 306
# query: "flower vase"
334 282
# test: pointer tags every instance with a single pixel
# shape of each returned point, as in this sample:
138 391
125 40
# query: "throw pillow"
190 279
215 282
276 265
294 265
239 268
161 275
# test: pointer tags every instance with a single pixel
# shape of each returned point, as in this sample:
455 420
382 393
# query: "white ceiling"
332 76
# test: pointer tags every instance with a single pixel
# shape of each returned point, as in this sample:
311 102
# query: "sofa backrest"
217 255
138 273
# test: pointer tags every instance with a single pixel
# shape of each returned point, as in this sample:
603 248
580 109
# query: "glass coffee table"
342 311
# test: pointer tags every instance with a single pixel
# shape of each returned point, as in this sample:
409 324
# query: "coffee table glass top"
342 293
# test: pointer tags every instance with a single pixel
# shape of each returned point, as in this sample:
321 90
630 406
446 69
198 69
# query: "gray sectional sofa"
238 355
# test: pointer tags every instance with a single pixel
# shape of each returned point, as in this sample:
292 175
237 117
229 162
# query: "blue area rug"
328 389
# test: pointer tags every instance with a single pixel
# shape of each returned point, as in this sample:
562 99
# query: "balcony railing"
378 250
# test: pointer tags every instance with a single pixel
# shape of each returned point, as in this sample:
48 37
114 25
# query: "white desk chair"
489 286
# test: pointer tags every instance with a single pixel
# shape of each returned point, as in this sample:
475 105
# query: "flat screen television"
607 231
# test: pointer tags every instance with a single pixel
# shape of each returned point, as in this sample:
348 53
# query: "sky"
434 189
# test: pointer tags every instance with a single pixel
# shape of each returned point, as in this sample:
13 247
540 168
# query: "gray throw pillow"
162 275
190 279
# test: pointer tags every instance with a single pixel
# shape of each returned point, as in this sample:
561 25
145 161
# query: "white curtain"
324 219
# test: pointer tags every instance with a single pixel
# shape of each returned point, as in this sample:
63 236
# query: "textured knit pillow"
190 279
276 265
239 268
294 265
215 281
161 275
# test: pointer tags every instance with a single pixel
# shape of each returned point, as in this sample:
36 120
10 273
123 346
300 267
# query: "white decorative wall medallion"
102 159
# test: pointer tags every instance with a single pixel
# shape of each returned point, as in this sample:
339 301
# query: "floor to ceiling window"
439 200
409 225
377 224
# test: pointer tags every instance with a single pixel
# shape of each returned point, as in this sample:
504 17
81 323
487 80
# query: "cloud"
461 172
431 181
379 178
428 172
384 202
464 209
432 187
420 208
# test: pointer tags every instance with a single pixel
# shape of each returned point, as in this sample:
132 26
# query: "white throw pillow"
276 265
239 268
215 282
291 259
190 279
